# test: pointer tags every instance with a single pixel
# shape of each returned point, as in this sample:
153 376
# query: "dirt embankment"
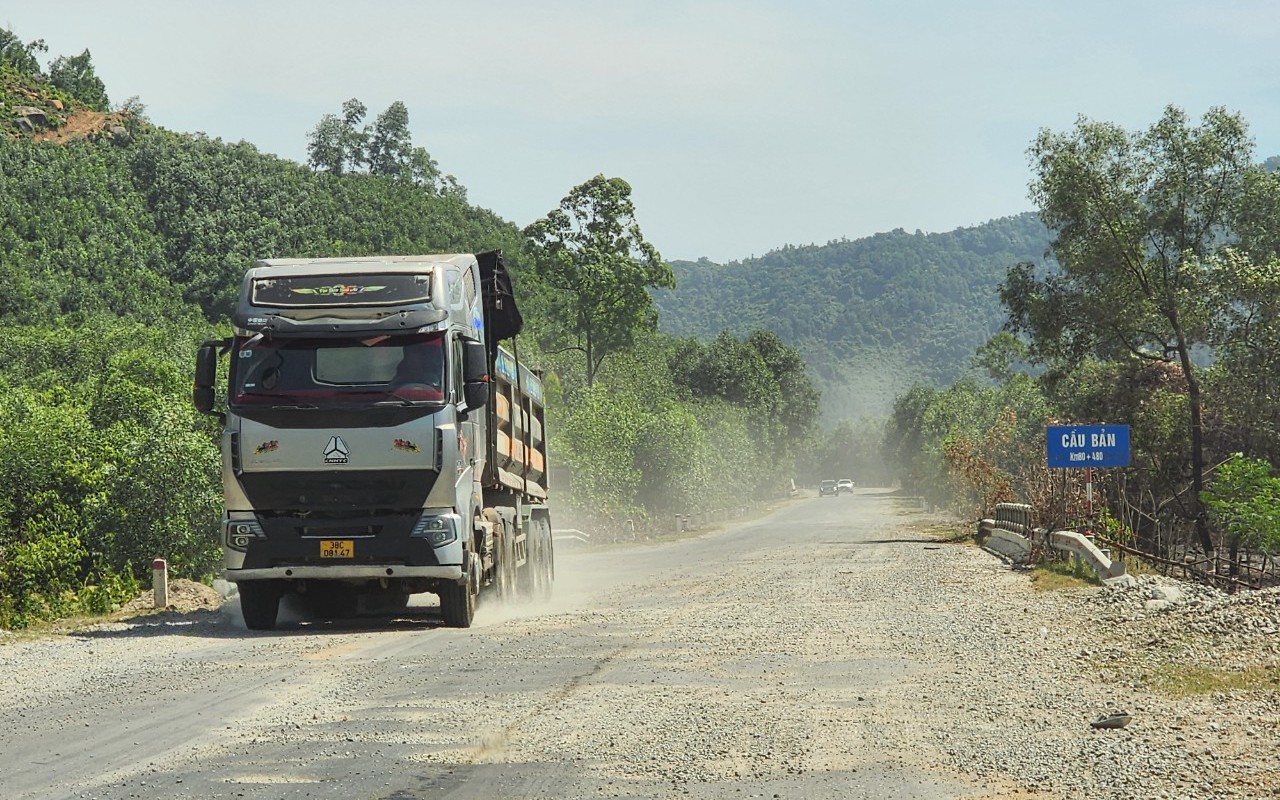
82 124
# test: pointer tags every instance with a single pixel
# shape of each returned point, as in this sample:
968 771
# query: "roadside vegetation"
122 245
1057 575
121 250
1157 307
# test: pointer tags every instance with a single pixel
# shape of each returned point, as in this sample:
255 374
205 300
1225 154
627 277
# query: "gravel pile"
1085 653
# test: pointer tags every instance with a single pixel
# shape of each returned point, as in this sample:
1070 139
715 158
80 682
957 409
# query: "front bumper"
345 571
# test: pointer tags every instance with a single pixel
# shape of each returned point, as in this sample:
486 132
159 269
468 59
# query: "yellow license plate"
337 548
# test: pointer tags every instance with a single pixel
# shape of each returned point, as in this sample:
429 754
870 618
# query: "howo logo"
336 452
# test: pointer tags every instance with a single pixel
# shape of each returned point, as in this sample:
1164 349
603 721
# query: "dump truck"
377 442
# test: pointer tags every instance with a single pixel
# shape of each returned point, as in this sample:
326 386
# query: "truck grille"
345 490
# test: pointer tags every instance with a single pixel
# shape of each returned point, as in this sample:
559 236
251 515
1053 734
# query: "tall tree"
598 268
75 76
390 143
324 146
797 397
355 138
1136 219
22 57
337 144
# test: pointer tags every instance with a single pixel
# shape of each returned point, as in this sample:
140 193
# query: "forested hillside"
122 247
1162 314
872 315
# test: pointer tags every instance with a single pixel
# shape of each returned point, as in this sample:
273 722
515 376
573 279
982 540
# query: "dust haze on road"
832 649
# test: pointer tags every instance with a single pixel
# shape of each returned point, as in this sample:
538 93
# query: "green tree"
324 146
75 76
355 139
597 268
1245 498
425 172
390 143
797 398
338 144
22 57
769 382
1245 376
871 316
1135 218
598 442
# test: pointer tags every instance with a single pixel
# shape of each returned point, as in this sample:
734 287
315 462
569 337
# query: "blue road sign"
1087 445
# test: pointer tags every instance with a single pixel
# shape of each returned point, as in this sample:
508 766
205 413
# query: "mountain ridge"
871 315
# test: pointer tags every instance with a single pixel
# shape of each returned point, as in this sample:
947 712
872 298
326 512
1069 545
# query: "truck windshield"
338 372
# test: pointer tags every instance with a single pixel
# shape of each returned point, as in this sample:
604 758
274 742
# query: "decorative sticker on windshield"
267 447
303 291
339 290
407 446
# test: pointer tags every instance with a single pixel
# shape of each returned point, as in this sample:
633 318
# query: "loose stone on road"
833 649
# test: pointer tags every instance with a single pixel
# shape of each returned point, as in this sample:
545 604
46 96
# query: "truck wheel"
458 601
535 576
259 604
528 577
546 560
505 570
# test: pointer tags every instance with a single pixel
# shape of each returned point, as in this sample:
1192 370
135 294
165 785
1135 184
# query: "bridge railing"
1010 533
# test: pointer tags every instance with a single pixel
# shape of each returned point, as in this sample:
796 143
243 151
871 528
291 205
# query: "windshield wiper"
394 399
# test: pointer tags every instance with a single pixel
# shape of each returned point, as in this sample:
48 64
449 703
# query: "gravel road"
833 649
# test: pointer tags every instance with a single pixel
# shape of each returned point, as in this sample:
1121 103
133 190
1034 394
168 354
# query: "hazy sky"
742 126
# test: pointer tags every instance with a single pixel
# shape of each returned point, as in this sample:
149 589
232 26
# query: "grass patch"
63 626
1058 575
949 532
1177 680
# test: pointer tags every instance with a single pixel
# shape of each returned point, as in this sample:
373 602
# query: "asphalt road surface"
804 654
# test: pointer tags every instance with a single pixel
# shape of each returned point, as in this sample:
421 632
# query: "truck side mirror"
202 393
475 374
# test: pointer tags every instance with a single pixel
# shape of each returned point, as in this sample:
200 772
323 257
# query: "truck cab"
377 442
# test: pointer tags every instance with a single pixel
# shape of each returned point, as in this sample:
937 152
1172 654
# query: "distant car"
828 487
844 485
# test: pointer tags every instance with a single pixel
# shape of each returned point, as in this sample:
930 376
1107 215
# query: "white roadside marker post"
160 582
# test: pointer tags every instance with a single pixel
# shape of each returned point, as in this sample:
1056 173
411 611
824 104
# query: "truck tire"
547 562
505 570
458 600
535 575
259 604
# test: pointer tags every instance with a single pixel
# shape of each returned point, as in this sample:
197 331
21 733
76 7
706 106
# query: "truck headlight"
438 531
240 532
